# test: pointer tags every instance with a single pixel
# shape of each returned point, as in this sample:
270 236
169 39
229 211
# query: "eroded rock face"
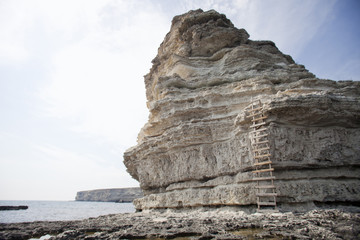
195 149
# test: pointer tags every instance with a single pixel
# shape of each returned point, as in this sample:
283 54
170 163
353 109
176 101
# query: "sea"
60 210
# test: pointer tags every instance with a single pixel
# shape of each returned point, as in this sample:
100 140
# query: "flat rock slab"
196 224
5 208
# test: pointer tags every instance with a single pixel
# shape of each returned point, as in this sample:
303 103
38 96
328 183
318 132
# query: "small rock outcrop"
110 195
7 208
195 148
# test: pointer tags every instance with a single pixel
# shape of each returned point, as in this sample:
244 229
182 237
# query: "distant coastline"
59 210
109 195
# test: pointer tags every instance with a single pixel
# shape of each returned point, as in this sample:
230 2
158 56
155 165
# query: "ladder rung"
265 186
261 136
255 109
255 114
262 156
260 118
266 194
257 125
263 178
253 104
262 142
261 149
259 130
262 163
263 170
267 203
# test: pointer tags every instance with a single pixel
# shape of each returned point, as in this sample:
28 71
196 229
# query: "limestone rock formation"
109 195
195 149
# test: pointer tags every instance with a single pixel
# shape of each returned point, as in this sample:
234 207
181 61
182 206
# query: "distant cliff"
110 195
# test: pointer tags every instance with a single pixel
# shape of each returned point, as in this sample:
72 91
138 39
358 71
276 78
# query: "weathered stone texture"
224 223
195 149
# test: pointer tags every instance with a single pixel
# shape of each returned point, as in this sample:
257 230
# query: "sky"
72 94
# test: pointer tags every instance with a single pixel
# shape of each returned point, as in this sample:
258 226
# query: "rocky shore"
221 223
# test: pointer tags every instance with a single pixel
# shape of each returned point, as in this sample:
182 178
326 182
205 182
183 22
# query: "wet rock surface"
197 224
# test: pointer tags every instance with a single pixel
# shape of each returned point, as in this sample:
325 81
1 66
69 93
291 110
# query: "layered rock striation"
109 195
195 148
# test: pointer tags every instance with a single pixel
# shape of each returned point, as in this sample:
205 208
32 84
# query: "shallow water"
60 210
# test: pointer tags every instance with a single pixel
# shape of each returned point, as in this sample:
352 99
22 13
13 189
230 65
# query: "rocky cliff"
195 148
110 195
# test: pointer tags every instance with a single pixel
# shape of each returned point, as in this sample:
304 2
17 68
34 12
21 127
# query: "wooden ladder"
263 172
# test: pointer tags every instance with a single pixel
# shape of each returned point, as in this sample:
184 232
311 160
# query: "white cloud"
98 52
84 171
290 24
22 23
105 47
350 70
98 80
48 172
12 34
